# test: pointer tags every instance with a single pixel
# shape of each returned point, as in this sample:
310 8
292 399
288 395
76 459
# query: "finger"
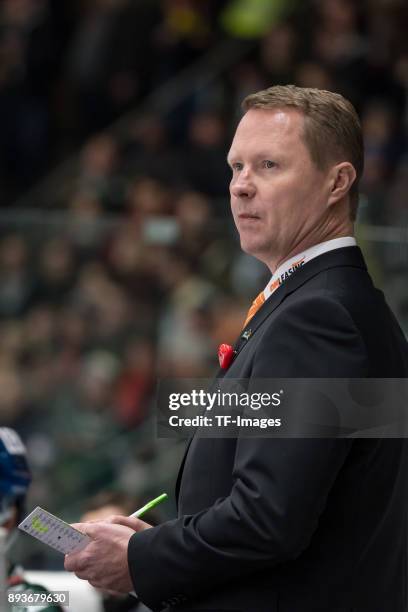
88 529
114 518
129 521
82 575
70 562
82 527
74 562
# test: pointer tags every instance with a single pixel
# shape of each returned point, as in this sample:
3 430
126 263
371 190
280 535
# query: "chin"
247 247
251 248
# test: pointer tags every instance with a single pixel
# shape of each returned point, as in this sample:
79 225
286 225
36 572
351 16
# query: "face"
278 195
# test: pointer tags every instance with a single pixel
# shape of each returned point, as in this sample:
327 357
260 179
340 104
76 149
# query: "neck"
330 231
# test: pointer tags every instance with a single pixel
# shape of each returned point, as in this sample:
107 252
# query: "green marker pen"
151 504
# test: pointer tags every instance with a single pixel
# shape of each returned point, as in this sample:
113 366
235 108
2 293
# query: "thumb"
82 527
130 521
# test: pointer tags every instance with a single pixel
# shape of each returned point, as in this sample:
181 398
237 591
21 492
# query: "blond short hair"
332 129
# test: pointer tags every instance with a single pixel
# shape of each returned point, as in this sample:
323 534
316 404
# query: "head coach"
285 525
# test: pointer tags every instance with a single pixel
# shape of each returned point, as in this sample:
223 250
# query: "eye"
237 166
267 163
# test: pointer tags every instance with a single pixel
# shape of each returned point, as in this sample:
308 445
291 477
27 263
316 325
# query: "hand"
104 561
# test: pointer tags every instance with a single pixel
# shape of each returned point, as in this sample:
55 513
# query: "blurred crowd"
132 271
69 68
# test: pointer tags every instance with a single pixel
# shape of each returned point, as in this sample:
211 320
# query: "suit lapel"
347 256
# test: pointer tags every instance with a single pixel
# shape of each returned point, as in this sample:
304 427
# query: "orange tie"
255 306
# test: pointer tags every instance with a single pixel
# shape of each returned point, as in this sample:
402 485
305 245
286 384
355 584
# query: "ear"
341 178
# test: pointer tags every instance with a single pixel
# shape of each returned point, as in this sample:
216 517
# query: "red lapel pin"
225 355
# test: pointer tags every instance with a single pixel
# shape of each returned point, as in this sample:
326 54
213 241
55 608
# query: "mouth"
247 216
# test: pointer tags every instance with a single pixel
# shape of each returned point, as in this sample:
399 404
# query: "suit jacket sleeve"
280 486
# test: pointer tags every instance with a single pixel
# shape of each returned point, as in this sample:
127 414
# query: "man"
288 525
15 480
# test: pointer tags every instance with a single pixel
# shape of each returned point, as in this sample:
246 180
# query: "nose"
242 186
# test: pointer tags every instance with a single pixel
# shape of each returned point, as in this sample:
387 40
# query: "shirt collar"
295 262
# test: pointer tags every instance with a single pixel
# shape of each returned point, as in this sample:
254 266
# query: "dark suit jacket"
293 525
